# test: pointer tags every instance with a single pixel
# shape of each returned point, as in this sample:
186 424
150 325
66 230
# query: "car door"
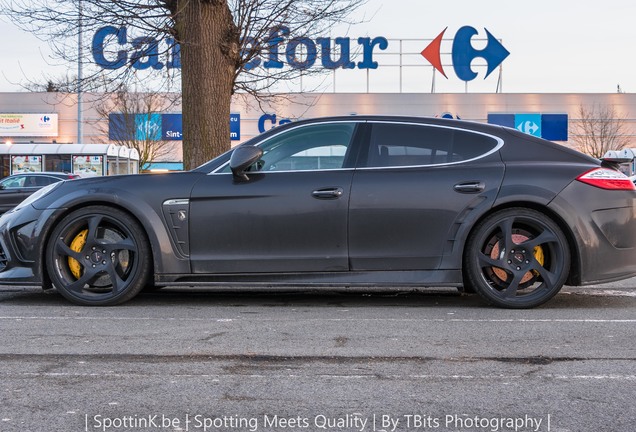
290 216
415 186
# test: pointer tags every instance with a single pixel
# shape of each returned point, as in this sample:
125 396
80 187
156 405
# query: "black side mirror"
242 158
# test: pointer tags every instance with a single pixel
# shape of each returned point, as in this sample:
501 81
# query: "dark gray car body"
28 184
357 225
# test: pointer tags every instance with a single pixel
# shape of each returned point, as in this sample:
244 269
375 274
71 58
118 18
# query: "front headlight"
37 195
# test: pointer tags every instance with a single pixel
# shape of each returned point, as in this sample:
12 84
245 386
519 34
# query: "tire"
517 258
98 256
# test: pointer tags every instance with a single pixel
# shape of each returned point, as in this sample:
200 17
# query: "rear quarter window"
395 145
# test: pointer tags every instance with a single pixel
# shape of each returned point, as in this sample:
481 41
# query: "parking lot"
186 359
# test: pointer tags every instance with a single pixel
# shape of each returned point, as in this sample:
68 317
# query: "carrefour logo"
463 53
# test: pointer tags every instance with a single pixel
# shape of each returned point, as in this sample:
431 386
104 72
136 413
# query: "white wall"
468 106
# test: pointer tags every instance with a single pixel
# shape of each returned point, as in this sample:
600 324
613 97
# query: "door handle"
470 187
327 193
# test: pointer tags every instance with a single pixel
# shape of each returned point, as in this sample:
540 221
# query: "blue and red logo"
463 53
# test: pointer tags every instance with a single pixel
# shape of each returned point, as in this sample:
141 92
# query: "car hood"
121 189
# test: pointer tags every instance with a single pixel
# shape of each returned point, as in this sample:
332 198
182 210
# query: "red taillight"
606 178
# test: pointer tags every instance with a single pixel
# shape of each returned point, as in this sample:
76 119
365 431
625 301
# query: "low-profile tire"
98 256
517 258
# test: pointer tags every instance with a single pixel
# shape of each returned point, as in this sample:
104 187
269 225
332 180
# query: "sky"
556 46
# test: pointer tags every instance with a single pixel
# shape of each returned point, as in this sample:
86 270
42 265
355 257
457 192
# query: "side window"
395 145
312 147
13 183
42 181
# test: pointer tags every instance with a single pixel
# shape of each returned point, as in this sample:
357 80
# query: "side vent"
3 259
177 215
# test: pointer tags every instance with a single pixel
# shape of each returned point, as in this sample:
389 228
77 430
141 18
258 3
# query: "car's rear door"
415 186
291 216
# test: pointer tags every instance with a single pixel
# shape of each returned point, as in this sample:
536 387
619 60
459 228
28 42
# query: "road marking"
610 377
297 319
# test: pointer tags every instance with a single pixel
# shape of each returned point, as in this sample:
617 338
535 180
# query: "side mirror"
242 158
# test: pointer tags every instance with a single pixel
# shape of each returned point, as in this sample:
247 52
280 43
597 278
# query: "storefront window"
88 166
5 165
23 164
58 163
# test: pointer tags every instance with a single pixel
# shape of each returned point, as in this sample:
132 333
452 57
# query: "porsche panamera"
341 201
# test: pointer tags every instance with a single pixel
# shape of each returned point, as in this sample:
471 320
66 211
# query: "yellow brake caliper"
539 256
76 246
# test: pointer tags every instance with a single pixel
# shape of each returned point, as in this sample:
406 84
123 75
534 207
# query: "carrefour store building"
361 76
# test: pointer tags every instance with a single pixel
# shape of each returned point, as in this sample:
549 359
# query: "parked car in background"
343 201
15 188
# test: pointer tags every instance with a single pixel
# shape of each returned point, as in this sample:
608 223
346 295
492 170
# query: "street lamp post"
80 131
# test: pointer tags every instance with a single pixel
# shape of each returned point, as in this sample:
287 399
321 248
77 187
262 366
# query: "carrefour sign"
111 47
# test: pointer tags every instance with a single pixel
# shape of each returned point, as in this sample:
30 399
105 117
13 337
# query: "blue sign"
148 127
528 123
552 127
235 127
171 127
155 127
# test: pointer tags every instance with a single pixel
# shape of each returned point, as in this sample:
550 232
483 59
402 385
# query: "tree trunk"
207 36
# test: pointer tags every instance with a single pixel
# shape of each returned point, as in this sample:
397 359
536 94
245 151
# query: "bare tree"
222 47
128 119
598 129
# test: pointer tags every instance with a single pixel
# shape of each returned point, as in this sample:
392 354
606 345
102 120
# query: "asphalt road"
196 360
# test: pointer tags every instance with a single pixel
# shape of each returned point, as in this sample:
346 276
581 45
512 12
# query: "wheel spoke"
117 282
487 261
126 244
93 227
548 277
545 237
86 278
506 231
512 289
64 249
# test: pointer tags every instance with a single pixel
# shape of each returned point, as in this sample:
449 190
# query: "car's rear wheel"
517 258
98 256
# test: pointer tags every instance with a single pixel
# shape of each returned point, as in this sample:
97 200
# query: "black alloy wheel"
517 258
98 256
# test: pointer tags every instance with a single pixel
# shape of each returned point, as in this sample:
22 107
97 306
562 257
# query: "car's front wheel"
517 258
98 256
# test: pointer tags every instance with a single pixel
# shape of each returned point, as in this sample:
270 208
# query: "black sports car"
346 201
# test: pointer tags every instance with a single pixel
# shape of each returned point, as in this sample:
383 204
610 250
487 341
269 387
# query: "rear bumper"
602 226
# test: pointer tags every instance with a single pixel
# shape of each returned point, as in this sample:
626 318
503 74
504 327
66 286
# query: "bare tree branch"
223 46
599 129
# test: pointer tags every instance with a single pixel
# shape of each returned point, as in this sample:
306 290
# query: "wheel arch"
156 238
574 273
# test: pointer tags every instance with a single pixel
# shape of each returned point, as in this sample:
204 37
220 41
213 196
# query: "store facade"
522 110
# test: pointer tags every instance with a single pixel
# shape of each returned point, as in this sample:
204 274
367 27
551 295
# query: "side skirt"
432 278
